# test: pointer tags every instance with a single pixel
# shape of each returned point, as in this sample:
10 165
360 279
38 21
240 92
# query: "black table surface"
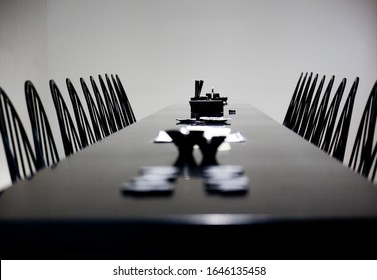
292 183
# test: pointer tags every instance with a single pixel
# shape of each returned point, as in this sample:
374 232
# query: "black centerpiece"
210 105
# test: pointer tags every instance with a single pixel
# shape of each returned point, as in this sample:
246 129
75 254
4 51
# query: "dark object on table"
186 142
206 108
211 105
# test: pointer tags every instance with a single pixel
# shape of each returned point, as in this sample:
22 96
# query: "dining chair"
304 104
319 120
112 104
292 103
116 102
307 126
83 126
330 118
100 126
123 99
364 152
44 142
21 159
294 107
70 138
104 113
338 144
123 105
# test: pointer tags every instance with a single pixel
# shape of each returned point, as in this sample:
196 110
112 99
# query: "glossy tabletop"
290 180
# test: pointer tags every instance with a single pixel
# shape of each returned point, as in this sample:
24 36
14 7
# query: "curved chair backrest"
307 127
123 105
100 127
330 118
104 114
121 118
288 119
339 141
44 142
304 106
374 163
111 104
319 120
363 155
123 99
83 126
21 159
70 138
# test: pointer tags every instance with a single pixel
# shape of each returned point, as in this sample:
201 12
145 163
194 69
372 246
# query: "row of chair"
318 123
110 112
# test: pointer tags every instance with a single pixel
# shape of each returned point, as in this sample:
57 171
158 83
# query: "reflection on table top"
77 210
289 179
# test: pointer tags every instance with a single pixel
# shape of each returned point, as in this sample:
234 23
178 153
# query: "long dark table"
296 192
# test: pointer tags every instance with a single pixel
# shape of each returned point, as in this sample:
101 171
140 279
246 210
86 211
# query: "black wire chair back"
100 127
363 156
112 104
44 142
289 116
123 99
83 126
70 138
22 162
304 105
307 127
339 140
103 112
116 101
330 119
319 120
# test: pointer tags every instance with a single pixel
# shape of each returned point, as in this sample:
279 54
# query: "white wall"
23 56
252 50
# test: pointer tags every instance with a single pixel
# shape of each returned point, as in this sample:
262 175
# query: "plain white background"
104 269
251 50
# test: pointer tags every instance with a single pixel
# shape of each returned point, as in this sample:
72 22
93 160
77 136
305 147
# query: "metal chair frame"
123 99
304 106
22 162
44 142
339 140
83 126
330 119
70 138
319 120
307 128
99 124
364 151
289 116
103 112
112 104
